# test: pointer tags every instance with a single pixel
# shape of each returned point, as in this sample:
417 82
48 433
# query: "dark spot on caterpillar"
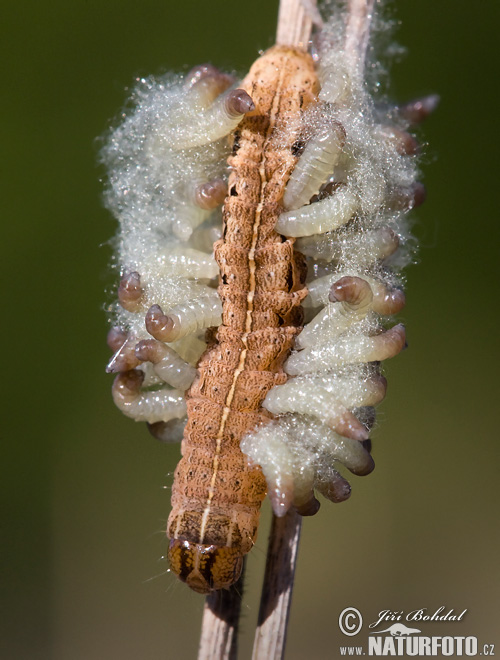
298 147
236 142
233 192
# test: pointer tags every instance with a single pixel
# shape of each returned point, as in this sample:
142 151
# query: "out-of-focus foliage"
83 485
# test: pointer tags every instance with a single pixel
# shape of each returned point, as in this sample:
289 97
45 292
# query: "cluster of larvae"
256 333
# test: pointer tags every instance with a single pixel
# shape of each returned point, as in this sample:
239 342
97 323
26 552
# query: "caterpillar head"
204 568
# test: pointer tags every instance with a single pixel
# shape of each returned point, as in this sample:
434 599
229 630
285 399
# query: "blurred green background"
83 487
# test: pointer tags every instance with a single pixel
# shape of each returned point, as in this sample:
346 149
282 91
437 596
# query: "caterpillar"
263 227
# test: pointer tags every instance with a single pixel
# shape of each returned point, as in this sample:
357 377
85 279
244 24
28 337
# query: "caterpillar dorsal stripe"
317 180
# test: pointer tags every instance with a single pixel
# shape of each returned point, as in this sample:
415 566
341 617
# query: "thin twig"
219 628
294 28
270 635
222 609
359 16
295 21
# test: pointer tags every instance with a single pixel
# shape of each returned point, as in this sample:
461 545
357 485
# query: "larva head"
204 568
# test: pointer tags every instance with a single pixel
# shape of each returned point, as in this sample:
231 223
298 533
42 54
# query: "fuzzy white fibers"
370 240
150 191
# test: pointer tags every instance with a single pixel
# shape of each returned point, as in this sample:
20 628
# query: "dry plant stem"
222 609
294 26
219 631
295 23
360 14
270 636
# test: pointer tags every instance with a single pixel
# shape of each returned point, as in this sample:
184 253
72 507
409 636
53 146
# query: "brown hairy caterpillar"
210 342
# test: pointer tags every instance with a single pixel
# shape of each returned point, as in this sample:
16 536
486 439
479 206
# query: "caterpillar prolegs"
315 180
